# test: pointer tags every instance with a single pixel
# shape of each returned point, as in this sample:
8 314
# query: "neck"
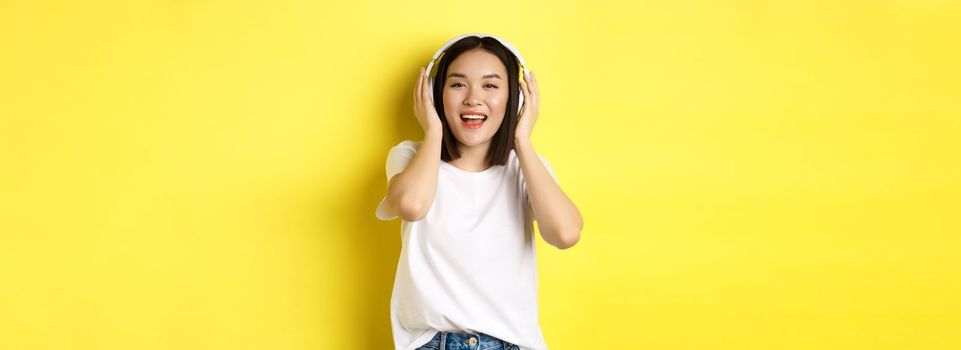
472 158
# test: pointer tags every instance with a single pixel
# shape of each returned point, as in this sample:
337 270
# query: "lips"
473 120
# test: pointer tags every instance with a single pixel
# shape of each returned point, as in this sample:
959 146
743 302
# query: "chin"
471 138
474 140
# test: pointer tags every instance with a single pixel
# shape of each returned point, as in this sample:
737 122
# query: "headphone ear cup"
520 103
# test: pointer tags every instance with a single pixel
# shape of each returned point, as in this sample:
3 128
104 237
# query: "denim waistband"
469 341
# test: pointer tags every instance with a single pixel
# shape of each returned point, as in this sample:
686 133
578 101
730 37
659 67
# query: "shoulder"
514 163
514 160
407 145
399 156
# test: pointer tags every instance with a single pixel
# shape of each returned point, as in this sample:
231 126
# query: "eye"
492 85
455 84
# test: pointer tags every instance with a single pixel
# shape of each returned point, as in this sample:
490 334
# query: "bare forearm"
411 192
557 217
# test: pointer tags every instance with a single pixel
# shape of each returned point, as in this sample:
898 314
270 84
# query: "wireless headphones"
523 66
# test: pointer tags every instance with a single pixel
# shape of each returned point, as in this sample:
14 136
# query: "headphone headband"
450 42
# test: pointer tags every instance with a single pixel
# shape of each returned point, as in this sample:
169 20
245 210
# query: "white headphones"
523 66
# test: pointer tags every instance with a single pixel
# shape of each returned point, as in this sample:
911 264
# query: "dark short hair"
503 140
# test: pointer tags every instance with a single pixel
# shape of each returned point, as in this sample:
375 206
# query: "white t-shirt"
469 265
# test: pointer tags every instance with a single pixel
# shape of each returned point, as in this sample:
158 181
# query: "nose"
473 98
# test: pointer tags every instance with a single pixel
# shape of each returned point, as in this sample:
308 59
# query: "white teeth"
472 116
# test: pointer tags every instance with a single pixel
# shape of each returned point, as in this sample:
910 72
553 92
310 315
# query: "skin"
411 192
468 90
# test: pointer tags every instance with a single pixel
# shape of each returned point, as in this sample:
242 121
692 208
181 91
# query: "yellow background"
752 174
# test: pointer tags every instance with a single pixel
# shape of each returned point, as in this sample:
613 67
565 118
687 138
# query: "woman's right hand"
424 105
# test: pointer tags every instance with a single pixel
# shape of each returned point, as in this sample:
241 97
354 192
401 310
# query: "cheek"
497 106
450 104
498 103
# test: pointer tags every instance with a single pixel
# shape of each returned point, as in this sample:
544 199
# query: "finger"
525 87
425 91
531 90
428 89
420 82
535 91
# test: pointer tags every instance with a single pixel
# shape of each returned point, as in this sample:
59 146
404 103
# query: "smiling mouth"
473 121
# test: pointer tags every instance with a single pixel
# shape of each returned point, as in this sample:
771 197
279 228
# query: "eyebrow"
459 75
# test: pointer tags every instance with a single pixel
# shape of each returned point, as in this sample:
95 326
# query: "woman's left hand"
530 109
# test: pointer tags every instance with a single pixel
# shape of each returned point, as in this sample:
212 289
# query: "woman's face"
476 84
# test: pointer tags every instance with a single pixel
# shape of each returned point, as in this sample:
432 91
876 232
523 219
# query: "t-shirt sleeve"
549 171
397 160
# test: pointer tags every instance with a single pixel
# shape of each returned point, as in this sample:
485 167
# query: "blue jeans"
466 341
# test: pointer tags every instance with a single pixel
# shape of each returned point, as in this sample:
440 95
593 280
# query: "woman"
468 195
